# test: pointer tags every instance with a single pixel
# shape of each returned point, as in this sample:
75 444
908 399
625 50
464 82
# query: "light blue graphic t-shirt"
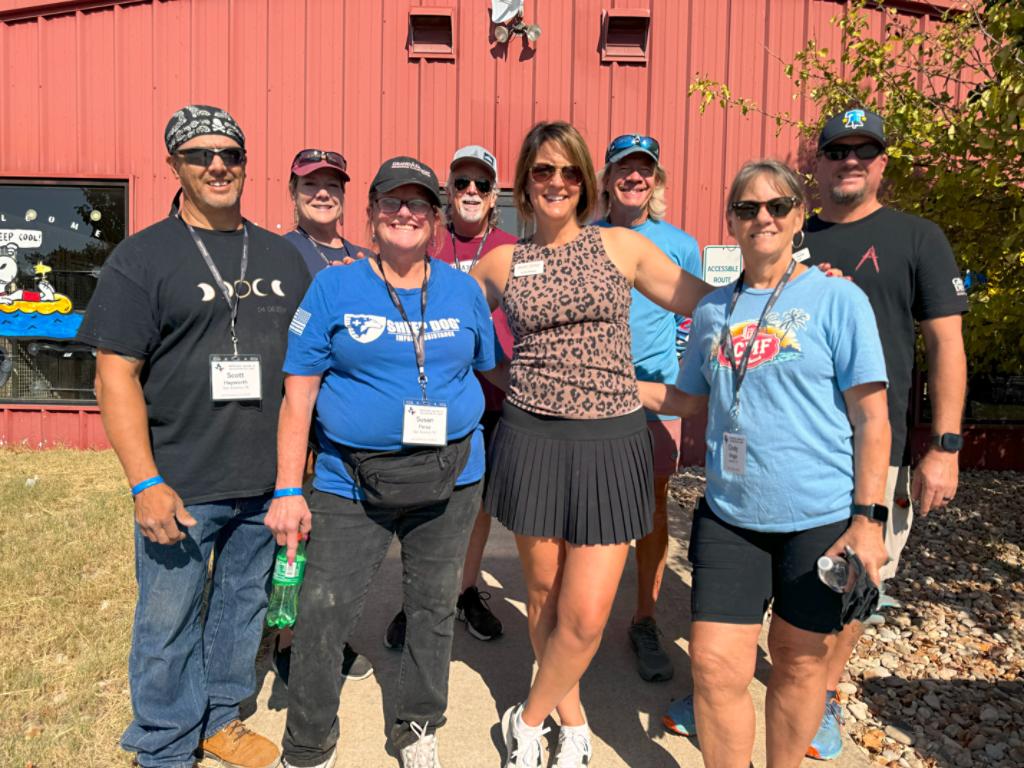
819 340
348 330
653 329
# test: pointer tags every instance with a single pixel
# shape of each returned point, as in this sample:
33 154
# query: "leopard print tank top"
572 353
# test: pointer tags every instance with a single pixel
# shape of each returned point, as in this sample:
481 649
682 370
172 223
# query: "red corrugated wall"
88 88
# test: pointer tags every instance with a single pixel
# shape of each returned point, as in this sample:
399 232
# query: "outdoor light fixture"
507 17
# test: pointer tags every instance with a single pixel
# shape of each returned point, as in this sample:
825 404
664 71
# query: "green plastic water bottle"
285 583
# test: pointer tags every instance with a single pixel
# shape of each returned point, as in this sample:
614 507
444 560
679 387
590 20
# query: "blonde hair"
571 142
656 205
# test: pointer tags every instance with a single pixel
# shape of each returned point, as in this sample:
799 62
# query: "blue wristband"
282 492
155 480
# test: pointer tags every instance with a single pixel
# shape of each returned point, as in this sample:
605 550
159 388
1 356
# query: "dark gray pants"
348 543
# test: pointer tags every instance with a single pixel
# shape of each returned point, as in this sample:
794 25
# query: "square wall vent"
625 34
430 33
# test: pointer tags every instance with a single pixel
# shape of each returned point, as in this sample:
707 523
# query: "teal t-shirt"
819 340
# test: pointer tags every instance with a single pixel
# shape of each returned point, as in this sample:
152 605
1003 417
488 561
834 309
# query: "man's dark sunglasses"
461 183
203 156
778 207
633 140
543 172
837 152
307 156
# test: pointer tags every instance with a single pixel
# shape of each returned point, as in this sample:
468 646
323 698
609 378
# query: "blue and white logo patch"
854 119
298 323
365 328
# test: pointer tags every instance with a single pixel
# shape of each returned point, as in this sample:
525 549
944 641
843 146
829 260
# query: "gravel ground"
939 683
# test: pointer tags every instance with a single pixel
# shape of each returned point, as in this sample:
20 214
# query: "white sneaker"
524 747
422 753
574 749
328 763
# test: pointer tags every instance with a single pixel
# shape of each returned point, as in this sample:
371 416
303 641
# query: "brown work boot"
238 747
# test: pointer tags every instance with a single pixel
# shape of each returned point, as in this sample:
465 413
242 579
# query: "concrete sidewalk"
624 712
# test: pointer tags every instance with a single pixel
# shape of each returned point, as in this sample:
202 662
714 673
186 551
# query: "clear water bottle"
285 583
834 573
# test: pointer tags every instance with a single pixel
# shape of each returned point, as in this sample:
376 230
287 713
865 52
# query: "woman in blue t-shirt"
798 440
384 349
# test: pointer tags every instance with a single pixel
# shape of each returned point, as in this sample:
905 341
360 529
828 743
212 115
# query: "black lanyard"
479 249
316 246
418 338
225 290
740 371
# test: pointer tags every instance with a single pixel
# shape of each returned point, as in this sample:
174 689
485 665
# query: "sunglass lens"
483 186
461 184
745 210
572 175
868 151
780 206
542 172
232 156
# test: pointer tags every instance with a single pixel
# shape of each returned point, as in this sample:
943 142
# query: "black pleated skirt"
587 481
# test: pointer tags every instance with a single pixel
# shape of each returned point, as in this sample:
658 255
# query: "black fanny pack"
410 477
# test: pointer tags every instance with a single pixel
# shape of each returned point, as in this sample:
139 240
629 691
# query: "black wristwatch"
877 512
950 442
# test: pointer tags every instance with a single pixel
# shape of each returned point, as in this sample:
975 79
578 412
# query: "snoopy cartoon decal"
36 311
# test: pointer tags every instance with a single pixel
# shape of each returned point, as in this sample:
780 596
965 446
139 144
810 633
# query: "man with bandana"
190 320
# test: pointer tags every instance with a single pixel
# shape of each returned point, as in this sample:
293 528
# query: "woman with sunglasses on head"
317 188
572 467
384 349
789 365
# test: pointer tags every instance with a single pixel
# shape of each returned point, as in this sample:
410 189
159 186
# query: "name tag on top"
734 453
235 377
424 423
526 268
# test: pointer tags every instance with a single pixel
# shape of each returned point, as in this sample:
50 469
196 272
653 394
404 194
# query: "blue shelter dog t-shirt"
348 330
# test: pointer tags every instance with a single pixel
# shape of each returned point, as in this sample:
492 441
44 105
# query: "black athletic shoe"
472 609
394 636
354 665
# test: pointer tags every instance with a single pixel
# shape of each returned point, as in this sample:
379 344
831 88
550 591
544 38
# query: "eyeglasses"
543 172
309 156
746 210
633 140
837 152
203 156
461 183
417 206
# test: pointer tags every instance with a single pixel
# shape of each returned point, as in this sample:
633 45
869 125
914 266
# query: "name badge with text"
424 423
527 268
235 377
734 453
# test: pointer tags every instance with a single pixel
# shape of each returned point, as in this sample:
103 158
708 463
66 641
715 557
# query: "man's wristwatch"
950 442
877 512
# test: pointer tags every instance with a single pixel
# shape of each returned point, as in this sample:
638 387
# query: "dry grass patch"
66 565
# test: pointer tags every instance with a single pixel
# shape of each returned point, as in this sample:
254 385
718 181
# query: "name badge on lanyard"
734 453
232 377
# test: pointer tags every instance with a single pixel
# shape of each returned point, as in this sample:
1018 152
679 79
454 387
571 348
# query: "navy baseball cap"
855 121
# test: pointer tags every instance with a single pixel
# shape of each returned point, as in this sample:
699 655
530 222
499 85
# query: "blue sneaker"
828 741
679 718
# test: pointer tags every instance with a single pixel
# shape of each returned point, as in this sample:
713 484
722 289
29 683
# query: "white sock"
572 730
530 730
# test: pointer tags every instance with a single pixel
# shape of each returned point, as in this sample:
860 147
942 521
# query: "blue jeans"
188 673
347 544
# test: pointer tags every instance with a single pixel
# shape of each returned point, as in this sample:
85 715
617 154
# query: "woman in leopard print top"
572 472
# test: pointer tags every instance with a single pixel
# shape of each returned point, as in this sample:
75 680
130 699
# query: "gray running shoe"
652 662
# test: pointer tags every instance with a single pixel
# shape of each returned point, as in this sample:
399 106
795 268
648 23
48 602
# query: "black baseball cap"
402 170
855 121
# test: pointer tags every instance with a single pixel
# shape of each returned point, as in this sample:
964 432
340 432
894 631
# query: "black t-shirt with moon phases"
157 300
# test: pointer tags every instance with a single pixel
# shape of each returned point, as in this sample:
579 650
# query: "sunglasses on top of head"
392 205
633 140
203 156
461 184
837 152
308 156
778 207
544 172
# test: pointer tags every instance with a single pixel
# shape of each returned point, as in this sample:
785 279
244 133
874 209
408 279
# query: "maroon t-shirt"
461 252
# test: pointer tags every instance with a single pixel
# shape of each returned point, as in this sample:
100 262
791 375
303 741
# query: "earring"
797 246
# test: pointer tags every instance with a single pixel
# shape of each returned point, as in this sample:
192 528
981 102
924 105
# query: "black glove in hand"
861 599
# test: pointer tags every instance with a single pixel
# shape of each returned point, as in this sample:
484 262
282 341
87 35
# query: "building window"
430 33
624 35
54 237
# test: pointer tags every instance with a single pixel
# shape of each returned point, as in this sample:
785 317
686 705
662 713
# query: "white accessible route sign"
722 264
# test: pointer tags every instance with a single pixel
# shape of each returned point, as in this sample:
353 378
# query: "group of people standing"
452 372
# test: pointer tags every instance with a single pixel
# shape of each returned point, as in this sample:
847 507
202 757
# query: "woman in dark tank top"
572 461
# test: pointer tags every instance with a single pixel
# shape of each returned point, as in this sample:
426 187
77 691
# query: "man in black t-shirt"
190 320
906 267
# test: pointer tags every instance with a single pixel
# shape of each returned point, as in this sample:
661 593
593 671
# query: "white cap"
478 153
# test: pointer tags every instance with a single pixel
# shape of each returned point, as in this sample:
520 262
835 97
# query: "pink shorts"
667 437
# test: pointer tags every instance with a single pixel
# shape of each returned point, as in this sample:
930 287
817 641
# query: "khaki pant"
901 517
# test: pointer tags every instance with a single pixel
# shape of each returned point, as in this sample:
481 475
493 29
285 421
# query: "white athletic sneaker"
422 753
574 749
328 763
524 746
